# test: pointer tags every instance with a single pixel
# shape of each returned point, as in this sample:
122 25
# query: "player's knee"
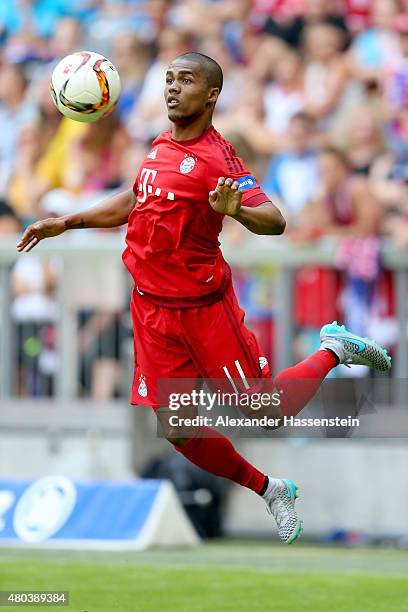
172 434
175 441
182 430
177 436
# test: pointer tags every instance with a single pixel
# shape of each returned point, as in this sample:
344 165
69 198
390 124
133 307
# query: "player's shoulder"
214 141
220 153
162 137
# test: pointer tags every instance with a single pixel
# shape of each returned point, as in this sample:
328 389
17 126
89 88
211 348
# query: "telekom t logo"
147 178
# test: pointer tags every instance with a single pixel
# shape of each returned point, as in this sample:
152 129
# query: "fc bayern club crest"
142 390
187 164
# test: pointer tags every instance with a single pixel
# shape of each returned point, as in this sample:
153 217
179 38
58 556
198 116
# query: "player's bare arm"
264 219
112 212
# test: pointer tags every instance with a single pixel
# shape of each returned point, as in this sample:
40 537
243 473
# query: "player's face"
187 93
331 170
299 135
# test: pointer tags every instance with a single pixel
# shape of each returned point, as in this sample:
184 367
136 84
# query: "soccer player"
186 319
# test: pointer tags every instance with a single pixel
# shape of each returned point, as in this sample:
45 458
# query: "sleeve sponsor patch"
246 182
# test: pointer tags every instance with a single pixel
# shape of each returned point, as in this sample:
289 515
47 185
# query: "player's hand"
40 230
225 198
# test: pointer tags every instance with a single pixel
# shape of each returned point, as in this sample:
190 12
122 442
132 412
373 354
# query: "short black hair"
212 69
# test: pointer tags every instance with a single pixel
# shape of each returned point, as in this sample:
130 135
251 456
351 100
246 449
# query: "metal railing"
71 249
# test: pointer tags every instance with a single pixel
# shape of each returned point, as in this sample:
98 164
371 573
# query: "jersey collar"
193 140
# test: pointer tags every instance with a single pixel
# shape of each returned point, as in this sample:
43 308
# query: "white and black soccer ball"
85 86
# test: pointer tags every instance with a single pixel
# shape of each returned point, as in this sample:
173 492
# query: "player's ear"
213 94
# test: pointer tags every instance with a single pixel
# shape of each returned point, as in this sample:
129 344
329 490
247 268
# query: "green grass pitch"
215 577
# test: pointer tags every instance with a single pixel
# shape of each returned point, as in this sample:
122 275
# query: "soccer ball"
85 86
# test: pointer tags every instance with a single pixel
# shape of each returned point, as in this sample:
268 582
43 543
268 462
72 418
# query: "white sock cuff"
333 346
271 485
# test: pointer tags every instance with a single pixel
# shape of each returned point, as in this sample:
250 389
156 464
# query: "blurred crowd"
315 100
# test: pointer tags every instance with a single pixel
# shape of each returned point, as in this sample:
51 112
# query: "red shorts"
205 342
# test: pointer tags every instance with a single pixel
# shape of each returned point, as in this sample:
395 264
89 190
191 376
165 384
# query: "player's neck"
188 132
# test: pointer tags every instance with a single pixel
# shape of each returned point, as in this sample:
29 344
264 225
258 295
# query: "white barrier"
57 512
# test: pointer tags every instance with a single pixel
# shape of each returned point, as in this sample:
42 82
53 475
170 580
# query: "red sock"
213 452
298 384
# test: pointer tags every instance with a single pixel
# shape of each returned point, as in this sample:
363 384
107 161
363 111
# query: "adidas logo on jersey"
153 153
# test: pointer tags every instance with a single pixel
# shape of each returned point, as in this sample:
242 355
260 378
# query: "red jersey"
173 252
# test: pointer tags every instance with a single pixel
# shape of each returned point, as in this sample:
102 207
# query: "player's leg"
213 452
228 357
210 450
220 344
160 354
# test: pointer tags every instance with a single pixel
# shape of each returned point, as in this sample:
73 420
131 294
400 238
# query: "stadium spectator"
236 28
261 10
15 113
48 116
99 343
288 24
234 74
82 161
131 57
328 89
284 94
25 188
55 161
246 119
96 156
198 18
390 180
396 78
345 206
66 39
113 16
376 49
34 311
361 138
261 114
292 175
22 192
